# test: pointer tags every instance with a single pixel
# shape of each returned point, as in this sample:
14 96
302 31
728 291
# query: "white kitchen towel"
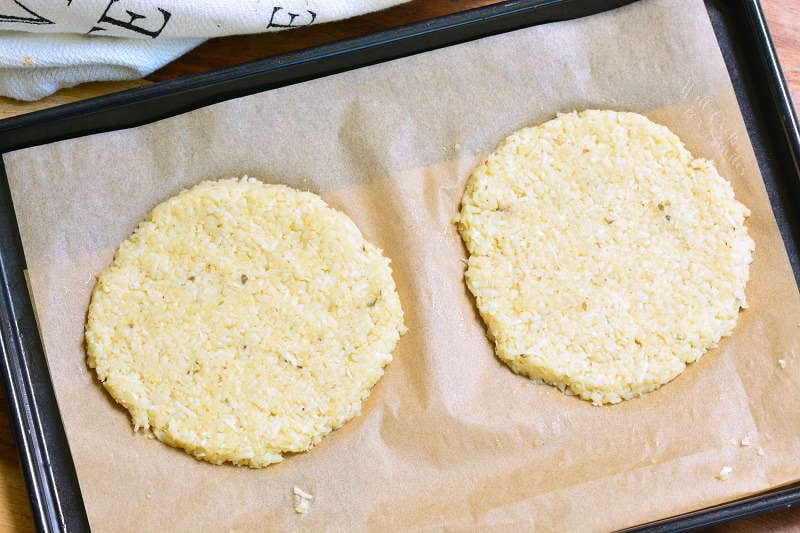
46 45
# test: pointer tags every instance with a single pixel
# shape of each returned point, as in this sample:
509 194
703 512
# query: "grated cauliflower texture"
603 257
241 321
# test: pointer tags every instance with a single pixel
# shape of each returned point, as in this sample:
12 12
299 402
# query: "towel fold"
46 46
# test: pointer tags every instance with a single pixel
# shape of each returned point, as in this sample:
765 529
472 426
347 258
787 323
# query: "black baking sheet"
51 478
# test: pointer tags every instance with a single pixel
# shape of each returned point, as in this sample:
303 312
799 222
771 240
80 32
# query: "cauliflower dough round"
603 257
241 321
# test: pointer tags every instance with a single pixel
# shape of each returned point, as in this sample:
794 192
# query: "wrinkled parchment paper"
450 438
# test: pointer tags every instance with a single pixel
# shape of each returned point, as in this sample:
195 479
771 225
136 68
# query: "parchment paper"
450 438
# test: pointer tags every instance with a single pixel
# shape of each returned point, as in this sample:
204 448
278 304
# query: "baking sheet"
450 437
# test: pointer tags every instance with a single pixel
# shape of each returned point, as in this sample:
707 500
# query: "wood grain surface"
784 22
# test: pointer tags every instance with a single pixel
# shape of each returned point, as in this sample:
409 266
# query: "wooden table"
784 22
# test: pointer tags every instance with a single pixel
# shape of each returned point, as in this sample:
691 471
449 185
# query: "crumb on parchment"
724 473
302 500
